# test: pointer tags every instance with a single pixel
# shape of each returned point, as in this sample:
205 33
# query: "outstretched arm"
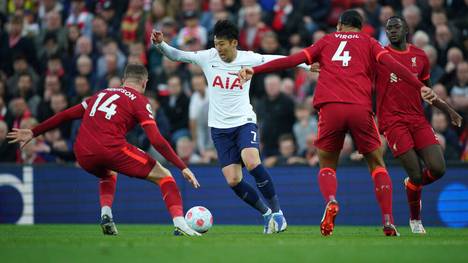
174 54
269 58
444 107
282 63
163 147
75 112
23 136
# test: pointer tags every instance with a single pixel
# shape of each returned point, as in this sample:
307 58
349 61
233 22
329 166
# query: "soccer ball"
199 218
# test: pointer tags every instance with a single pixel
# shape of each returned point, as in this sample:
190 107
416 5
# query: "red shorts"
404 135
126 159
336 119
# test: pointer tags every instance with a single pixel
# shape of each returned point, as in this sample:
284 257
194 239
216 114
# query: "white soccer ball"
199 218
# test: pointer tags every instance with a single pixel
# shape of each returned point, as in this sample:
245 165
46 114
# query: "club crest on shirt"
393 78
413 62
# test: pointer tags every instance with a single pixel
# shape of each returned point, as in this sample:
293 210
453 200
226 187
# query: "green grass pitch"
155 243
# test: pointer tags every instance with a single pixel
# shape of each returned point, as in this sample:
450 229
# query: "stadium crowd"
54 53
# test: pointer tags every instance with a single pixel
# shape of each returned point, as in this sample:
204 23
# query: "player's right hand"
157 37
189 176
23 136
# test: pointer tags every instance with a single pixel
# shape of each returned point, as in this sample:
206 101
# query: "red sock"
107 189
413 193
171 196
428 178
327 183
383 192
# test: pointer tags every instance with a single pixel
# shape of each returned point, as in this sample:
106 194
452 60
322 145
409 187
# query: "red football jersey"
347 61
110 114
395 97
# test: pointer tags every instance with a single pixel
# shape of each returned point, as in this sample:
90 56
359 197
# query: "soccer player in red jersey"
343 98
102 150
401 119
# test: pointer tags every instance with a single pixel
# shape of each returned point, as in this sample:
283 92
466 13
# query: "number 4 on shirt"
345 58
105 107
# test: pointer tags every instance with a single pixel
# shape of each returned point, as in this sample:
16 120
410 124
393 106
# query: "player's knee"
416 178
233 180
251 161
158 173
437 170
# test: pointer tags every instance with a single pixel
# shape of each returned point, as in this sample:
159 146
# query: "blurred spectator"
52 86
82 90
412 15
286 21
20 66
269 46
133 23
110 47
241 11
441 124
275 108
444 41
191 32
420 39
305 125
52 29
29 154
185 150
47 7
442 93
5 113
385 13
459 92
80 17
7 150
56 148
288 88
27 92
84 66
113 20
287 153
112 69
169 29
454 58
315 14
198 114
209 18
176 108
19 110
254 29
18 44
436 70
73 33
100 33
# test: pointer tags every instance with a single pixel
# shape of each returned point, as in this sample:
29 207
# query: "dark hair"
351 18
403 20
136 72
226 29
286 137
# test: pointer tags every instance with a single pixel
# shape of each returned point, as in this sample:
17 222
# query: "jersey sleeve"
376 49
75 112
313 52
143 111
174 54
261 59
426 71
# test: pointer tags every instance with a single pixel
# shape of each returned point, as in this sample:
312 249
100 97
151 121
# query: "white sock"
267 213
106 210
179 220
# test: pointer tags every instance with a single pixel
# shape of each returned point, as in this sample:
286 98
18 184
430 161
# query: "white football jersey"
229 100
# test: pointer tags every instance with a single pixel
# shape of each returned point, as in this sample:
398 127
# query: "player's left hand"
428 94
189 176
245 74
456 118
23 136
315 67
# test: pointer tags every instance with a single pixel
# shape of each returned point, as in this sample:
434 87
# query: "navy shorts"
230 142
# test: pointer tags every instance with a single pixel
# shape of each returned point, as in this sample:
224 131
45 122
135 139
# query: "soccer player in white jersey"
231 117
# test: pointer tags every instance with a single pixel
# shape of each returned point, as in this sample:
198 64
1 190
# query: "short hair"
286 137
402 19
226 29
351 18
136 72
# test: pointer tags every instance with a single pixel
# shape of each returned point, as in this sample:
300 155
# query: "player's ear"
234 42
338 27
